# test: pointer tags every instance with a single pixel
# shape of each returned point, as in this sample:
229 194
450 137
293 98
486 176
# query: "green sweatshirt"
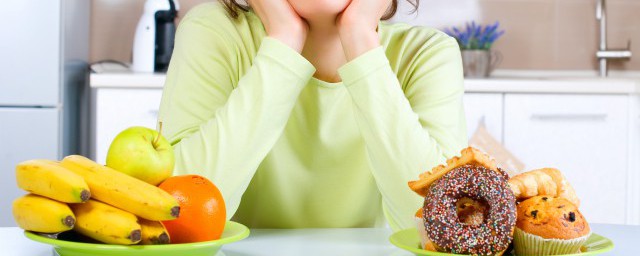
290 151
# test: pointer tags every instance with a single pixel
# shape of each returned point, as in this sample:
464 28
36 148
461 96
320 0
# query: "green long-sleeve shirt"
290 151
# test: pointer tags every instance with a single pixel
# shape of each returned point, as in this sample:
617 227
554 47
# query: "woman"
312 113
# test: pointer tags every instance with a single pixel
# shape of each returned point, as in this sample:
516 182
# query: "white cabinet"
633 211
487 108
25 133
119 108
585 136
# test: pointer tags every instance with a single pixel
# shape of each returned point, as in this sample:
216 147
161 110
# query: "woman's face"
310 9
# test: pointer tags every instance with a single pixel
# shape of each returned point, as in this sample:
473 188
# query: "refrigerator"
43 86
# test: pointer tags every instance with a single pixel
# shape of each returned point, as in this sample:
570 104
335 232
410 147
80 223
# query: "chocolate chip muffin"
549 226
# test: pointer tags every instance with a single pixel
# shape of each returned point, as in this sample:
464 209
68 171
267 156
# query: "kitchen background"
557 34
545 104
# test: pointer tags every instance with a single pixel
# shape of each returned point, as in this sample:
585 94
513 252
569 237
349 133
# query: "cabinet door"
487 107
584 136
30 53
25 133
119 109
633 213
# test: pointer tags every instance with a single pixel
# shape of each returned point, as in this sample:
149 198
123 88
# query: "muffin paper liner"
528 244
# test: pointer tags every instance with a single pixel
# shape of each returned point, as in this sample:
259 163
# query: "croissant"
543 182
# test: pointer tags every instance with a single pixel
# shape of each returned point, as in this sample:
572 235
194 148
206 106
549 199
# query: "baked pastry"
470 212
468 156
543 182
549 226
487 229
425 243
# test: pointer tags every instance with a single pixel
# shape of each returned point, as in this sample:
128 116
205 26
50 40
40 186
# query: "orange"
202 210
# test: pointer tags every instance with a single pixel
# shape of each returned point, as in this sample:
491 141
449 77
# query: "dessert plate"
409 240
232 232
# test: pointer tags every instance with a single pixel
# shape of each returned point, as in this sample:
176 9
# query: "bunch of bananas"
93 200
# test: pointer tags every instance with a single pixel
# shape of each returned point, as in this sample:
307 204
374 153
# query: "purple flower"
474 36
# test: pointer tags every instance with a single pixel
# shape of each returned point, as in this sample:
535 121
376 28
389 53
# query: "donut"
492 234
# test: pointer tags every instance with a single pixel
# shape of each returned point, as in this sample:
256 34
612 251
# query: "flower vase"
479 63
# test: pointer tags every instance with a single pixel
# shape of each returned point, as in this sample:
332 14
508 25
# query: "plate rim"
243 233
394 240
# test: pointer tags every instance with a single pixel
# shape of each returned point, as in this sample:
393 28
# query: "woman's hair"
233 7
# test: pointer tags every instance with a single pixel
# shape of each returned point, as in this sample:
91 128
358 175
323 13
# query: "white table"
294 242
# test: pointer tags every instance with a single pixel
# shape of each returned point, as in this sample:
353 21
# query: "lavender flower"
474 36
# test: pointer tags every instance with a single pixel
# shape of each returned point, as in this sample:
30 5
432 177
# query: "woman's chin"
313 9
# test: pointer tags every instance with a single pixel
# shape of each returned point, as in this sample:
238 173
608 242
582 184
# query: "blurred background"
542 34
560 87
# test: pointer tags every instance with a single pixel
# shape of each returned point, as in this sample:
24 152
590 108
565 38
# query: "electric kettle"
155 35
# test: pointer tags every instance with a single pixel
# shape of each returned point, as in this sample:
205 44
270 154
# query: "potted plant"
475 44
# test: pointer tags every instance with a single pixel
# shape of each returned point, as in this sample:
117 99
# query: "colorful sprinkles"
441 220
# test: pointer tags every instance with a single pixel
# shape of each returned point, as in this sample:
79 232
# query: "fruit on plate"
47 178
106 223
203 213
153 232
41 214
123 191
142 153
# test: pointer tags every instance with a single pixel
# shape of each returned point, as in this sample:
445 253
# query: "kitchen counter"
503 81
127 80
284 242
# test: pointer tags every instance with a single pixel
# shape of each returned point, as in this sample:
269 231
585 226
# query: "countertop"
285 242
502 81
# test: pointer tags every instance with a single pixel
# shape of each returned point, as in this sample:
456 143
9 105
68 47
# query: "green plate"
232 232
409 240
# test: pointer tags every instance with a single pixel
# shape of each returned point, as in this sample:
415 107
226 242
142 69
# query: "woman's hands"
281 22
358 24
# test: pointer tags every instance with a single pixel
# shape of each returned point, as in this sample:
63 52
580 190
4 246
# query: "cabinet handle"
569 117
154 113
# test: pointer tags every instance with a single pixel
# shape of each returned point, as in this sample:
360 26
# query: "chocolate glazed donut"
441 221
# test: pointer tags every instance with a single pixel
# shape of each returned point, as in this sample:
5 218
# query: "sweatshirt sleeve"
220 128
407 128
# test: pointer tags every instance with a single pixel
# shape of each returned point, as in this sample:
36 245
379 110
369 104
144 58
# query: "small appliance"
155 35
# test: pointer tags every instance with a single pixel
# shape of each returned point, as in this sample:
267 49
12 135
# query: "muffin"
549 226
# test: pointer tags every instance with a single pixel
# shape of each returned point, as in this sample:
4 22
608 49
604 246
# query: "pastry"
425 243
543 182
549 226
487 229
468 156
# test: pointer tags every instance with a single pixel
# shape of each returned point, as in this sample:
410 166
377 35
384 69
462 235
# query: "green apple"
142 153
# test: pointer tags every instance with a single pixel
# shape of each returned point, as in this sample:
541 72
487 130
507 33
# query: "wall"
541 34
113 26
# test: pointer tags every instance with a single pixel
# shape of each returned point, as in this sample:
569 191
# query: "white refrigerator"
43 82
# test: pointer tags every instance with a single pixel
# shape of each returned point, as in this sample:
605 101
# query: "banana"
153 232
47 178
106 223
124 191
41 214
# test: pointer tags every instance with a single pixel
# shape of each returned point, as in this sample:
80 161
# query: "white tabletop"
285 242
